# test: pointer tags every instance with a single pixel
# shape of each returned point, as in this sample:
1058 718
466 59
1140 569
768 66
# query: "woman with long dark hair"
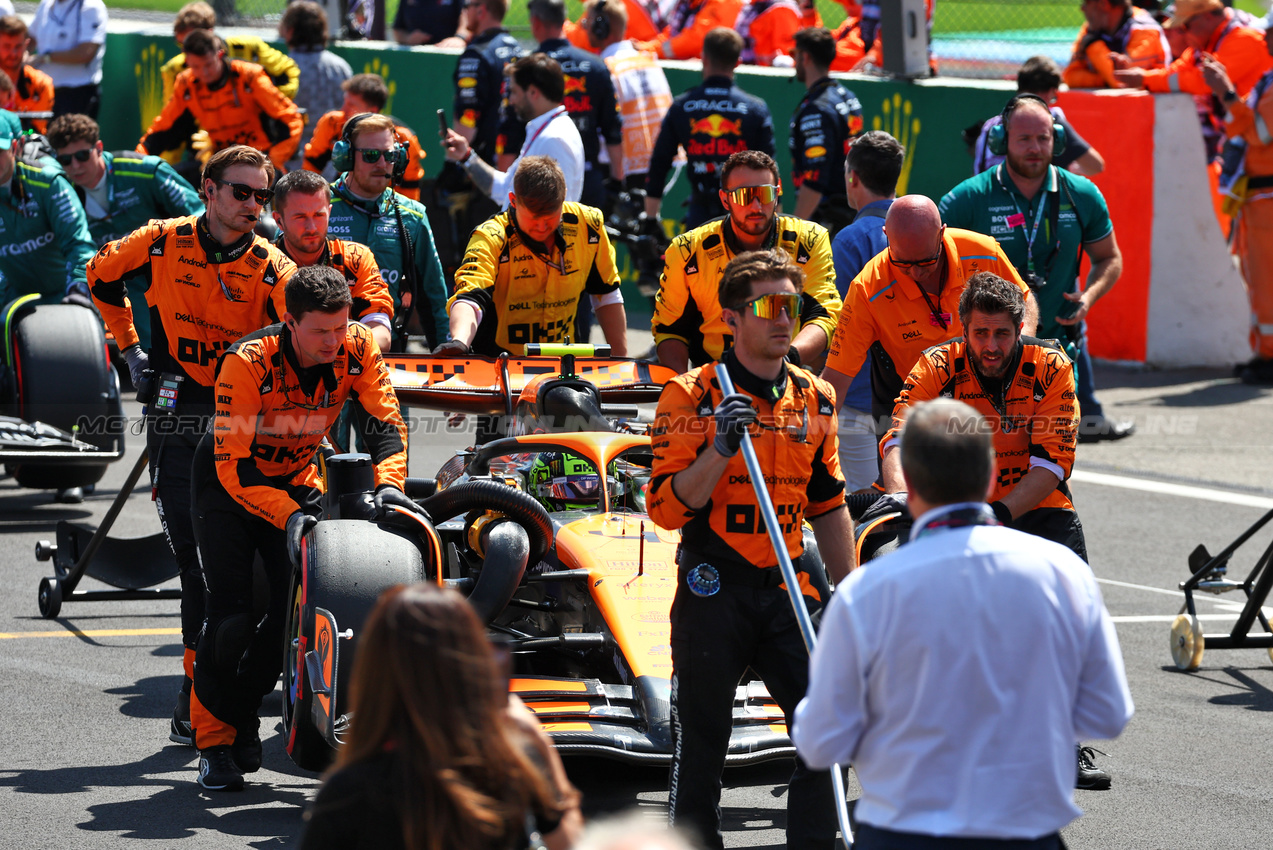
439 757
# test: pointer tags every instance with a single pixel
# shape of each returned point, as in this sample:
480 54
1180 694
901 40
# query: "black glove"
885 504
1002 513
297 524
77 293
650 225
389 496
733 415
452 346
138 361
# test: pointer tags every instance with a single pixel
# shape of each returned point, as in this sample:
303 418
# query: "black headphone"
599 26
997 140
343 150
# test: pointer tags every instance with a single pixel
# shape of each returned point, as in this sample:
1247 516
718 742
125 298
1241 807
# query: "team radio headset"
343 153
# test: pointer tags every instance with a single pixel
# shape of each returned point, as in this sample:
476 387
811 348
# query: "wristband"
1001 512
464 160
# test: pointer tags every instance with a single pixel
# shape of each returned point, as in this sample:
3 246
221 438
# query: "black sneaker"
1257 373
217 770
247 751
180 731
1091 777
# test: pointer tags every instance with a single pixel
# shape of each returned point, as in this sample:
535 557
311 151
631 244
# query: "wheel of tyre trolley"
1187 642
64 378
50 598
348 564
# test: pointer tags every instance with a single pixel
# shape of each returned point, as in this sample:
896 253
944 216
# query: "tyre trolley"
1210 574
132 566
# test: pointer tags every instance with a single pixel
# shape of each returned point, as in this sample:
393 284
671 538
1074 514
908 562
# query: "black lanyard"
1053 205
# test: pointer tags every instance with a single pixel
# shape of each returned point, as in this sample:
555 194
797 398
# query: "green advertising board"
926 116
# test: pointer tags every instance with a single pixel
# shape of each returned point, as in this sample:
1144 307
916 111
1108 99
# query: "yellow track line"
90 633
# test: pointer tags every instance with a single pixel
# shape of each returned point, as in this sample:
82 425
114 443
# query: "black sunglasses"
242 191
65 159
926 262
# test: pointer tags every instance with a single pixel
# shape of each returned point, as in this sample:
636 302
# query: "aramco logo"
150 83
896 120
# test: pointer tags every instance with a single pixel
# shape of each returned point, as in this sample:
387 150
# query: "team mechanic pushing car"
278 392
208 280
731 610
119 191
689 326
906 300
525 270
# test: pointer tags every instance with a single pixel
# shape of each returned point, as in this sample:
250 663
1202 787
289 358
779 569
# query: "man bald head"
914 230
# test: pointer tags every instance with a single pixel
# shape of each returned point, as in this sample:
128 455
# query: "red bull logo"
716 125
576 85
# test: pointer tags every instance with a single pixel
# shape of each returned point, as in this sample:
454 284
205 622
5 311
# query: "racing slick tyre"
64 379
1187 642
347 565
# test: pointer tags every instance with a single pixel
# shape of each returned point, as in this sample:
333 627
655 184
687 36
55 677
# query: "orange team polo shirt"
884 305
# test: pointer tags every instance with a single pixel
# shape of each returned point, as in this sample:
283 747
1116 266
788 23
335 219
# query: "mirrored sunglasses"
744 195
769 306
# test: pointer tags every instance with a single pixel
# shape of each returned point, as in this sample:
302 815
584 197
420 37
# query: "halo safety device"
343 150
744 195
563 481
997 140
769 306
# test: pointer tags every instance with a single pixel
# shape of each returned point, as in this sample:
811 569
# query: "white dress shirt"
956 675
554 135
62 24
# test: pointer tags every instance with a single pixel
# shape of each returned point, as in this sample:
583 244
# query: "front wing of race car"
633 723
629 568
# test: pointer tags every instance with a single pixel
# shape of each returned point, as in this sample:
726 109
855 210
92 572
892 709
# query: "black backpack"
34 149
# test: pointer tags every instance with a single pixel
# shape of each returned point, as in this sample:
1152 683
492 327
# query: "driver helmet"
564 481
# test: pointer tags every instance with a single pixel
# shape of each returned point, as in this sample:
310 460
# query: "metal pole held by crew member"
792 581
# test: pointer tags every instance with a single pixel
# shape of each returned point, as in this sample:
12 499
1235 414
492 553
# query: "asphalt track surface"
85 699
